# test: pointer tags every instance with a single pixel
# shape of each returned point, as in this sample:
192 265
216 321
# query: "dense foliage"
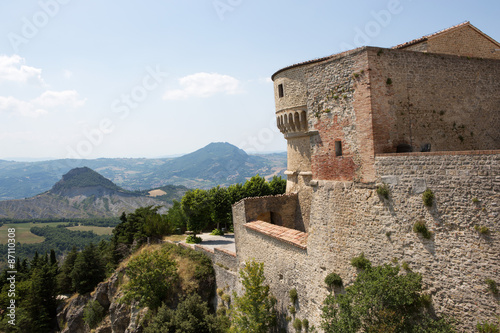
382 300
192 315
97 222
152 275
254 311
59 239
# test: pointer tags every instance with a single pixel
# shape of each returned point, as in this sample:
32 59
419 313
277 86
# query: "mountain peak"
84 177
222 147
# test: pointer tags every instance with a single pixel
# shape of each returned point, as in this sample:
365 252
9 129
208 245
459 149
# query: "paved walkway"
225 242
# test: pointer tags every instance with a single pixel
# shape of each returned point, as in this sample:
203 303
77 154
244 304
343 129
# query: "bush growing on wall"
381 300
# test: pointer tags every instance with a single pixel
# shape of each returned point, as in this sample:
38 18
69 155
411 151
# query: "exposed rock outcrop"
119 317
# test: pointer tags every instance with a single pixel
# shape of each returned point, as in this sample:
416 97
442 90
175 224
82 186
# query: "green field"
23 234
97 230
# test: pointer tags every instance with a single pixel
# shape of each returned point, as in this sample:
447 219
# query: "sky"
153 78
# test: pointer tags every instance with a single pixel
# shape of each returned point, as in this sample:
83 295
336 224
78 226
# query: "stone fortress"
421 115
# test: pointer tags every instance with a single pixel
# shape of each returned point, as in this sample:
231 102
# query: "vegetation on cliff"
254 311
381 299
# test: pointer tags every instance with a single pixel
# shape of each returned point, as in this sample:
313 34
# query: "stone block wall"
449 102
280 210
348 218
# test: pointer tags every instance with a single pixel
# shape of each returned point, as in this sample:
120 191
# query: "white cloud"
204 85
13 69
48 101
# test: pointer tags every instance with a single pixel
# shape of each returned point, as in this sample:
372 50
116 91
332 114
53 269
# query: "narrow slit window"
280 90
338 148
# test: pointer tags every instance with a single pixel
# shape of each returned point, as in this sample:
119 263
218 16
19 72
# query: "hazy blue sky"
88 78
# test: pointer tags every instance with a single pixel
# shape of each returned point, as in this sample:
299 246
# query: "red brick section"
290 236
325 165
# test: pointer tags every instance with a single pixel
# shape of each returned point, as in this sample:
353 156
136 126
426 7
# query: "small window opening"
280 90
338 148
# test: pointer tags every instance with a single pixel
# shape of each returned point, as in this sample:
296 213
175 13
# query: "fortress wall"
339 110
451 102
348 218
457 259
285 265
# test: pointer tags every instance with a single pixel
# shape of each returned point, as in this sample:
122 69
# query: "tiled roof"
287 235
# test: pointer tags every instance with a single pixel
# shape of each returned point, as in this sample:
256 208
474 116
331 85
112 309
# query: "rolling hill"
215 164
82 193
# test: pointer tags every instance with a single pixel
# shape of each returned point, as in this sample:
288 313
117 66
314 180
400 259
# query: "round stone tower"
292 120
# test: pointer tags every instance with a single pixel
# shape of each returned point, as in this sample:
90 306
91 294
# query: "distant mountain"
83 193
80 181
215 164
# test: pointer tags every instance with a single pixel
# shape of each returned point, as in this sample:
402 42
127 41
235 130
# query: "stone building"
421 115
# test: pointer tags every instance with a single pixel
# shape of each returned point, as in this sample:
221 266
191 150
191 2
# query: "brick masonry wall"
463 41
451 102
339 110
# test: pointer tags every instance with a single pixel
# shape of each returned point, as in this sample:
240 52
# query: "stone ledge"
287 235
231 253
441 153
204 248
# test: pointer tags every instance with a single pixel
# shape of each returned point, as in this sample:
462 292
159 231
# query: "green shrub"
389 81
361 262
381 300
483 230
297 325
383 191
428 198
421 228
192 315
254 311
226 298
475 200
292 310
492 286
217 232
192 239
293 295
153 275
305 325
405 266
93 313
333 280
426 300
486 327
